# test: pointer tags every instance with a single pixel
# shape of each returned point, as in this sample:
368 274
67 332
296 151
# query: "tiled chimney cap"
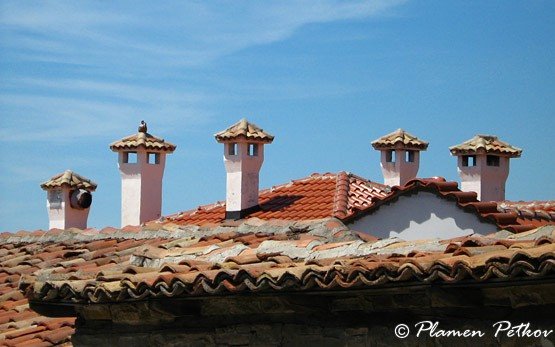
399 136
144 140
245 130
488 144
70 179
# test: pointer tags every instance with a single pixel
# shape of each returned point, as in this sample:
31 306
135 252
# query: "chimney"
483 164
141 162
243 156
400 156
68 200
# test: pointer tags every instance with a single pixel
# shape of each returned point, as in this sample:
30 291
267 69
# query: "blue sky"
325 77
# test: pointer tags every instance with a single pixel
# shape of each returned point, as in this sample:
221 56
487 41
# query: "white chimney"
243 157
141 162
68 200
483 164
400 156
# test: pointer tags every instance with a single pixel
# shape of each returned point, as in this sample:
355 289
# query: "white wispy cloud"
165 34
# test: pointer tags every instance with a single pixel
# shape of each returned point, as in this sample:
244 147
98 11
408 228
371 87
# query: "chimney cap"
70 179
142 139
485 144
243 129
399 137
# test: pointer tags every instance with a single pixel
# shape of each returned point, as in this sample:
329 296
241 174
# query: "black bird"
142 127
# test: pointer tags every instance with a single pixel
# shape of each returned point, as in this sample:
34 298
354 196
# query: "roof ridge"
467 201
341 197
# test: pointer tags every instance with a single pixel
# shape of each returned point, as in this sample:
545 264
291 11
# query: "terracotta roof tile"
531 211
144 140
304 260
315 197
257 254
486 144
245 130
399 138
486 211
69 179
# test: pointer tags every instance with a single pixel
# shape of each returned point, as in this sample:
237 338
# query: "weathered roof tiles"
399 138
69 179
486 144
244 130
142 139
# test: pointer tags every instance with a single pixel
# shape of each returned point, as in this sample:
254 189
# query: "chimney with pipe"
483 164
243 157
141 162
400 156
68 200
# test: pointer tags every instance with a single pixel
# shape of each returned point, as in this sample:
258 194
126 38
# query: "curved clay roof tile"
486 144
142 139
69 179
399 136
244 129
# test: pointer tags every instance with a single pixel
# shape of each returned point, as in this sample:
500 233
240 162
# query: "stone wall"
346 318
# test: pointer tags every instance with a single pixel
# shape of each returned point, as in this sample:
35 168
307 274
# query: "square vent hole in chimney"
232 148
492 160
154 158
409 156
390 156
253 149
130 157
469 160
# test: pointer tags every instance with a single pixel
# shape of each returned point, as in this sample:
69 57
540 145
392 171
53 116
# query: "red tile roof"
321 256
314 197
487 211
347 196
253 255
290 244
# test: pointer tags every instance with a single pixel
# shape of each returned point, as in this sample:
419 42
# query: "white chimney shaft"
68 200
483 165
400 156
141 162
243 158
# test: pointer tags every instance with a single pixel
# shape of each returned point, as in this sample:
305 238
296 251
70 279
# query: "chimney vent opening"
232 148
492 160
130 157
154 158
80 199
469 160
409 156
253 149
390 156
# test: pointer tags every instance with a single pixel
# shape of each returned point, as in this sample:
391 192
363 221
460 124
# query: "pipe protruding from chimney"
243 157
483 164
68 200
141 162
400 156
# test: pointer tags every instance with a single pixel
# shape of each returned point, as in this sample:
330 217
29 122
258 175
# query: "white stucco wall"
487 181
63 216
242 176
421 216
141 188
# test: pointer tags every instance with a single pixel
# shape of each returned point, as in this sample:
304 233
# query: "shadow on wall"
423 215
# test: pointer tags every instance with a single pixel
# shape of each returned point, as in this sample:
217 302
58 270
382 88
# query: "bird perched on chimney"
142 127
